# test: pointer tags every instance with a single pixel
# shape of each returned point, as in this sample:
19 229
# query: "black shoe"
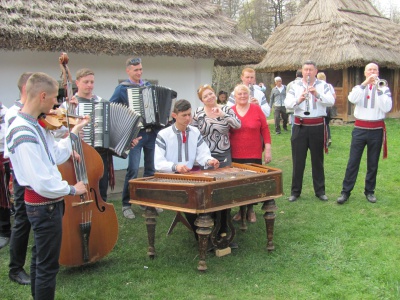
278 132
4 241
323 197
21 278
342 199
233 245
371 198
292 198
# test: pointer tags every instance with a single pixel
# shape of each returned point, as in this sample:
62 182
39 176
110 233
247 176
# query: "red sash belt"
33 198
380 124
308 121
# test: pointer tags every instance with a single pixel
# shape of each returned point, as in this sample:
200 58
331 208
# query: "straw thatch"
336 34
183 28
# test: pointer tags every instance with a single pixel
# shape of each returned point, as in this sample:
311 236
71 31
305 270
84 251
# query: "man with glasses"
146 137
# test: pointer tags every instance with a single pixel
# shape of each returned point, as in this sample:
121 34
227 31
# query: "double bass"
90 225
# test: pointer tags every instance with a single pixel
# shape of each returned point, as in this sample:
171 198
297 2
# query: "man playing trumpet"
372 101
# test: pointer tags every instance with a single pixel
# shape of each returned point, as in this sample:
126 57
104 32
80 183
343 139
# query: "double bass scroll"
67 80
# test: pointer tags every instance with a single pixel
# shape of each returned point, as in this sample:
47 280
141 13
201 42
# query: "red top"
248 140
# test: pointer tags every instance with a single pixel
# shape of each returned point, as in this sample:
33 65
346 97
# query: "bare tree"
230 8
258 19
388 9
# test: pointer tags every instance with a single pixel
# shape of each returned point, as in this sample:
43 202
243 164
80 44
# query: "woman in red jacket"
252 139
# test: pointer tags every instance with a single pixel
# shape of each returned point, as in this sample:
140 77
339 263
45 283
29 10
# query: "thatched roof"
336 34
184 28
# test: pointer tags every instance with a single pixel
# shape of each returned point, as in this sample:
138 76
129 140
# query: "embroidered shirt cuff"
72 190
74 137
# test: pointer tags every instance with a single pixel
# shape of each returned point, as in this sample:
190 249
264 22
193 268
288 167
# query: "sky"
384 5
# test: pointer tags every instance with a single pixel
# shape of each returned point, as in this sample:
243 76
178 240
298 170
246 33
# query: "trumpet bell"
380 83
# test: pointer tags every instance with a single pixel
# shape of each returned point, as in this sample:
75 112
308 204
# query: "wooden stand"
178 218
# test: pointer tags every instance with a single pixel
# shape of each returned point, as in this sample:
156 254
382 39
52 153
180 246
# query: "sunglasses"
135 61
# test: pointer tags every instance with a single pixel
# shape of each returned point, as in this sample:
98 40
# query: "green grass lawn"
322 250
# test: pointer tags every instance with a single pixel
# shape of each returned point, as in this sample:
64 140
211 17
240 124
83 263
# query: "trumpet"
380 83
307 98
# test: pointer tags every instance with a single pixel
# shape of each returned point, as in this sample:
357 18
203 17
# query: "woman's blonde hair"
241 87
321 76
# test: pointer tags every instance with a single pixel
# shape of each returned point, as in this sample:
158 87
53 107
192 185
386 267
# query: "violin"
57 118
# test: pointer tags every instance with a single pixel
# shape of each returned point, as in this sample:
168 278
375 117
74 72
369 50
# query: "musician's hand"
135 141
313 91
370 79
303 96
73 100
182 169
76 156
81 134
80 188
82 122
254 101
213 163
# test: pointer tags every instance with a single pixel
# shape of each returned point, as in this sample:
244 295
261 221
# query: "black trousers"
306 138
5 224
103 183
372 139
46 223
20 231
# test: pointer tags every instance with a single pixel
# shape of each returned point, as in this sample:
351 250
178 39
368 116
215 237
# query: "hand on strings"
80 188
182 169
135 141
76 156
213 163
73 101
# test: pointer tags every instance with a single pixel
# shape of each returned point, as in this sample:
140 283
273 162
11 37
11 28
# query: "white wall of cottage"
183 75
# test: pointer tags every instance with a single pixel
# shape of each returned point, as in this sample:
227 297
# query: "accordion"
153 103
112 126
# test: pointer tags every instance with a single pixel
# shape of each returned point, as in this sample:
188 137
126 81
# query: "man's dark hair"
182 105
299 73
310 62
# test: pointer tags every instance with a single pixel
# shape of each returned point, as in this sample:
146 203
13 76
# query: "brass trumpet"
380 83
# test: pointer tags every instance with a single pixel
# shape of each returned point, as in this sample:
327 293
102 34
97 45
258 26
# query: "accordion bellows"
154 104
113 126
